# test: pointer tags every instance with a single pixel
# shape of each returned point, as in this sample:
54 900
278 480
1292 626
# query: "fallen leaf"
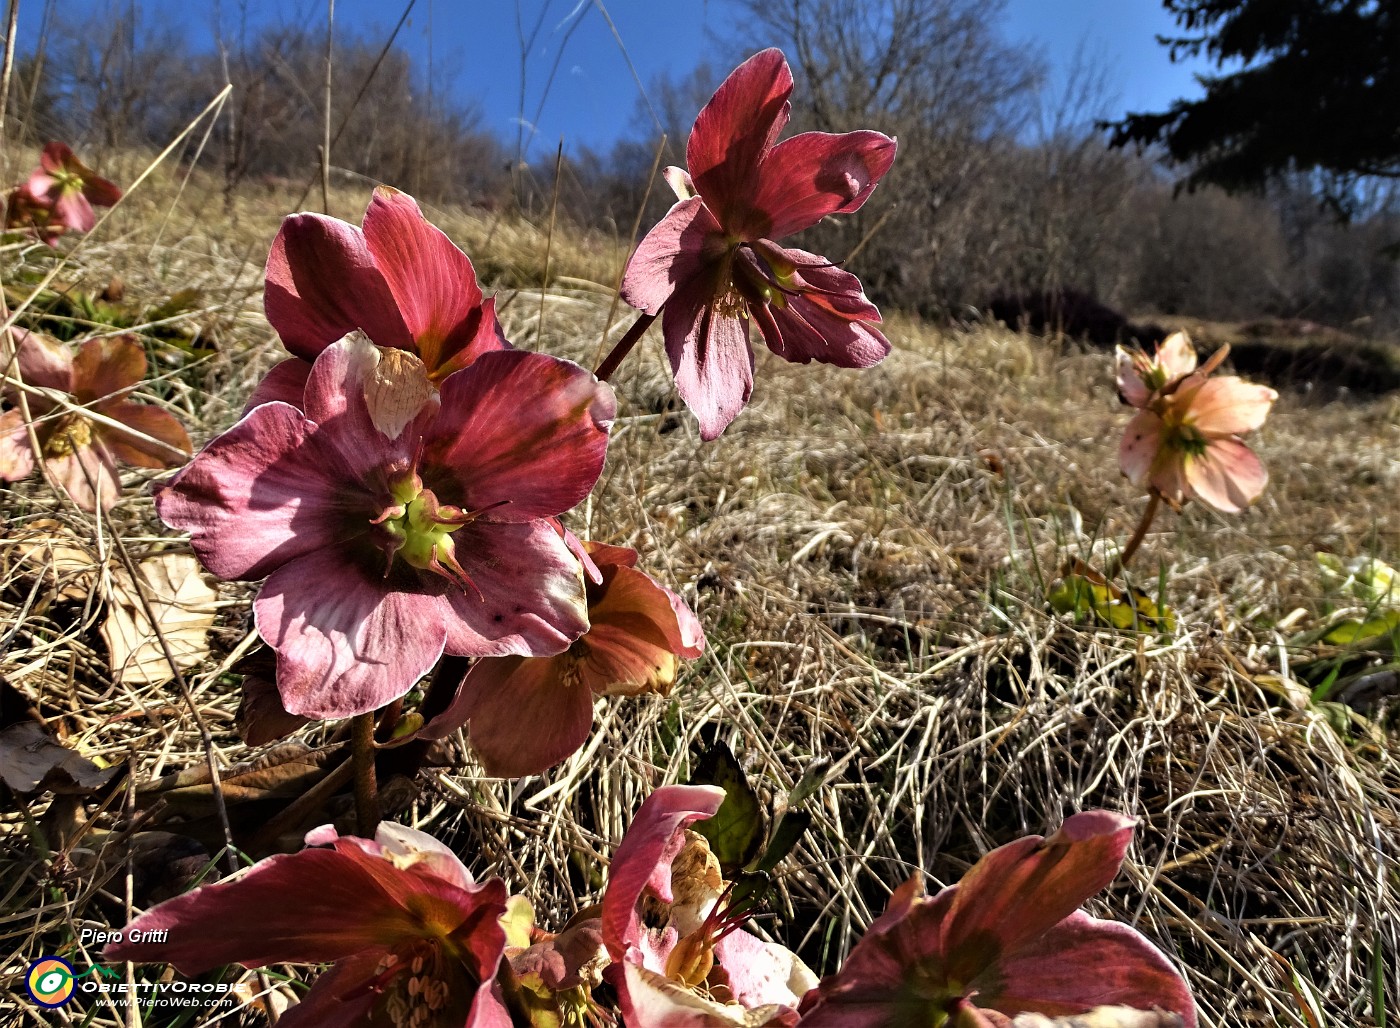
30 761
51 550
183 604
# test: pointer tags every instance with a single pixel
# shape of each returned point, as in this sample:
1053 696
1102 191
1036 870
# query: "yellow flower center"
72 433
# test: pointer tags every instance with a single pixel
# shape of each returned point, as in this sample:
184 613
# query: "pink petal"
88 474
338 995
147 420
643 858
285 382
1017 892
1142 441
1229 406
528 598
651 1000
688 243
524 717
42 362
710 357
1082 963
523 428
489 1008
16 454
806 330
265 492
1228 476
323 283
762 973
1131 387
107 369
433 282
734 130
101 192
812 175
73 211
347 641
1176 356
55 157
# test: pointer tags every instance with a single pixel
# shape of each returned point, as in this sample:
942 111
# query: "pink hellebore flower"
60 195
414 941
1184 441
679 959
529 713
1006 940
82 453
399 280
713 265
398 523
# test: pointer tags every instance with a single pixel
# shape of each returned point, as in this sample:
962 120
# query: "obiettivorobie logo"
51 981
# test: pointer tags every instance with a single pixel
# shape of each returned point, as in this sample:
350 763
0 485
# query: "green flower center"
418 529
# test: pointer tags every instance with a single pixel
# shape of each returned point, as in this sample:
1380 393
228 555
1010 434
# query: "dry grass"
868 552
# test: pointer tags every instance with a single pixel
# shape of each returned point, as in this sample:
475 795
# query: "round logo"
50 981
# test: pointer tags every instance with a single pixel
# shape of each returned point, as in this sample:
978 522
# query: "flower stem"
1154 500
366 787
624 346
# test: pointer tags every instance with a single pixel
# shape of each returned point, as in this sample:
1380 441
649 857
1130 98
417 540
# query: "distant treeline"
1003 186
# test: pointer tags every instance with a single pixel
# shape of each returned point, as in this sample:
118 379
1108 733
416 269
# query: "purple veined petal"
525 430
1082 963
814 174
16 454
685 245
338 995
763 973
88 474
1018 891
265 492
528 599
524 717
284 383
1228 476
347 640
432 281
806 331
1142 441
732 133
643 858
150 421
710 357
323 283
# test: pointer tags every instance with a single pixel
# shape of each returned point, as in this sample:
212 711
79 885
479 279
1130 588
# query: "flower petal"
643 858
762 973
1082 963
710 357
807 330
651 1000
55 157
88 474
1176 356
147 420
265 492
73 211
338 995
1228 476
16 455
107 369
1131 388
322 283
524 429
285 382
1017 892
814 174
347 641
1142 441
1228 406
433 282
734 130
42 362
677 250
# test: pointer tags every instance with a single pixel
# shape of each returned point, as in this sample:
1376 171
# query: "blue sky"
474 48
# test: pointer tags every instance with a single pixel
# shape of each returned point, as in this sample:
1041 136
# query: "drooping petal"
433 282
265 492
528 597
643 858
16 453
1131 388
807 330
763 973
1017 892
107 369
814 174
87 472
1142 441
347 641
285 382
525 717
150 421
1228 406
1082 963
73 211
323 283
1228 476
338 995
732 133
710 356
676 251
523 428
100 192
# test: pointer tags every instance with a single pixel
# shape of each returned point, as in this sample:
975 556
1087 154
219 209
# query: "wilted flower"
59 195
1184 442
713 265
398 523
81 453
413 940
529 713
680 955
1006 940
399 280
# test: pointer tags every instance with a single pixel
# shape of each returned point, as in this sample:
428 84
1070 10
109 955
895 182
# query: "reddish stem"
624 346
1154 500
366 785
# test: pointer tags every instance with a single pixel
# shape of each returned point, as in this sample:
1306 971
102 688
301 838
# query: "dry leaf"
50 549
183 604
30 761
397 391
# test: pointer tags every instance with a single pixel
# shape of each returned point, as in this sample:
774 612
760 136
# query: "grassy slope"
867 552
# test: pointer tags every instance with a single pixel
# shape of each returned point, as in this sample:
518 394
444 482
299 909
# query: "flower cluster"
59 196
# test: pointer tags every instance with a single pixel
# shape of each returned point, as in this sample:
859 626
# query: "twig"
549 239
9 67
326 119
